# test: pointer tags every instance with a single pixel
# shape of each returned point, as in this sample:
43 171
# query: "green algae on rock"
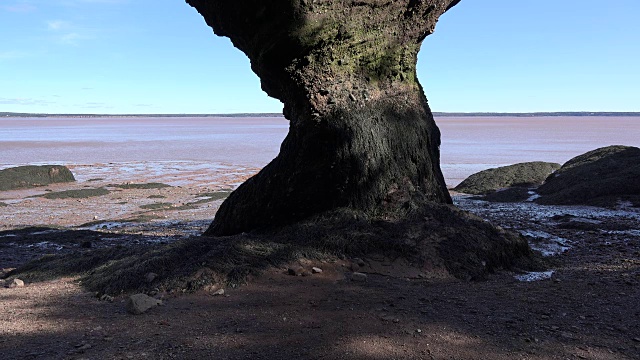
520 175
600 177
362 135
30 176
76 194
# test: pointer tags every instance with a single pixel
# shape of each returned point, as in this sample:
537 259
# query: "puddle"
534 276
45 245
622 232
549 246
44 232
533 196
106 226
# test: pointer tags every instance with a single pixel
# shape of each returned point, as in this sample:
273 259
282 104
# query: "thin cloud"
78 2
57 25
20 7
12 54
67 33
95 105
72 38
23 101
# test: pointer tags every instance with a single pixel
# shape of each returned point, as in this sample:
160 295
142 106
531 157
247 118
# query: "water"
239 141
469 144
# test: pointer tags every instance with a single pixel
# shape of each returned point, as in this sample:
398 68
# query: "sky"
159 56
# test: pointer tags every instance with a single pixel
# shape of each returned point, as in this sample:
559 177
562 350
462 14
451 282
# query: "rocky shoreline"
583 304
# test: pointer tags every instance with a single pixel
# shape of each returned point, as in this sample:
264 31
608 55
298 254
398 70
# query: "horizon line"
268 114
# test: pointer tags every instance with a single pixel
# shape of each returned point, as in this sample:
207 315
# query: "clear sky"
158 56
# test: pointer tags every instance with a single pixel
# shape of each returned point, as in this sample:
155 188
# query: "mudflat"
153 189
582 305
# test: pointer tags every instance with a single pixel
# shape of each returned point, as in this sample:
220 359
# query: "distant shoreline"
437 114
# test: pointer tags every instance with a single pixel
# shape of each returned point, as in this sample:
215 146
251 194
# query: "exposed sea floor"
565 231
469 144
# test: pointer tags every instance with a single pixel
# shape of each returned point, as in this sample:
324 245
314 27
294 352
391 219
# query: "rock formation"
600 177
517 175
33 176
361 133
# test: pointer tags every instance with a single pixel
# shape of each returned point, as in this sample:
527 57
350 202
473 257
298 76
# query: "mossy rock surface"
23 177
520 175
76 194
440 241
510 195
152 185
156 206
3 204
601 177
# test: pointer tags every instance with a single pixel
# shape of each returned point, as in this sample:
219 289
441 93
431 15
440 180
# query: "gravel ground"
585 306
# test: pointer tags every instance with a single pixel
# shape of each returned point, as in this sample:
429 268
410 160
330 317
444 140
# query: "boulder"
33 176
509 195
141 303
518 175
600 177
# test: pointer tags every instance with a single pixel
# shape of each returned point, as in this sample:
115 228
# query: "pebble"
106 297
295 271
218 292
149 277
140 303
16 283
358 276
316 270
298 271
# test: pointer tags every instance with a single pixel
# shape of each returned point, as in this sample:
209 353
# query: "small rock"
16 283
95 217
316 270
567 335
83 347
106 297
149 277
419 331
636 339
141 303
296 271
357 276
218 292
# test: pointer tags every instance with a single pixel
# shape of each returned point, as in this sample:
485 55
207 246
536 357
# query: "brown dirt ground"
588 309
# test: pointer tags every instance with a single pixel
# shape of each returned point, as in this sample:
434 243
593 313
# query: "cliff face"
361 135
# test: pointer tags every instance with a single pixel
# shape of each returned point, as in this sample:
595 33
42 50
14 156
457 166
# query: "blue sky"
144 56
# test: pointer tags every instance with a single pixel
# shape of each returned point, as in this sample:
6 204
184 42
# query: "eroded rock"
602 177
518 175
362 135
33 176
